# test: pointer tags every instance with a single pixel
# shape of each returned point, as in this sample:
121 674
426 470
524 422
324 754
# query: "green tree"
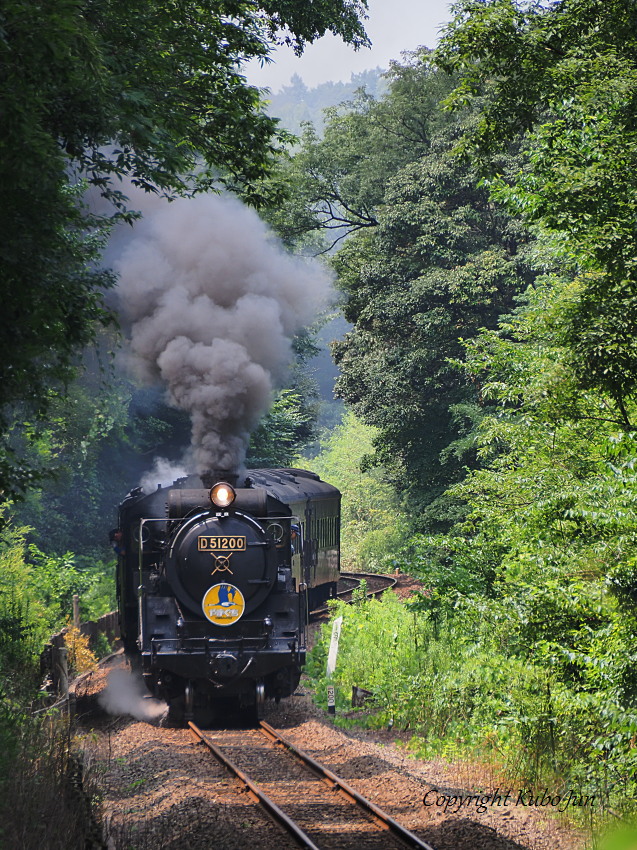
428 259
551 517
286 429
338 177
373 526
564 74
95 445
442 263
92 92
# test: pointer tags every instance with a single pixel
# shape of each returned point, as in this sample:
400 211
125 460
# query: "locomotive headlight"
222 495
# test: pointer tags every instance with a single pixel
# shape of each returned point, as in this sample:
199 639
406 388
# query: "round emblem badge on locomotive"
215 584
223 604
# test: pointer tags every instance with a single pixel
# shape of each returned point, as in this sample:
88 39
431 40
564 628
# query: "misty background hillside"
296 103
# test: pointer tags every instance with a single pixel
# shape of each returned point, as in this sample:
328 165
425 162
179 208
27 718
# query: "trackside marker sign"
331 663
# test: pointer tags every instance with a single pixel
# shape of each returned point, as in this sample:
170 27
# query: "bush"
459 678
81 658
373 526
39 801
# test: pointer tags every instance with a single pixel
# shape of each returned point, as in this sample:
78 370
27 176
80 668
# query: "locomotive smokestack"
212 304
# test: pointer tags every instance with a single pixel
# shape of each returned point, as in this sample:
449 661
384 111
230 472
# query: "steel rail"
392 580
339 785
255 792
360 576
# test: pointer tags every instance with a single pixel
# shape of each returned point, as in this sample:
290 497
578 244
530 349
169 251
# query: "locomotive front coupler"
216 648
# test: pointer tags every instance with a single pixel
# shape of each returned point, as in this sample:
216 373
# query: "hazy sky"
393 26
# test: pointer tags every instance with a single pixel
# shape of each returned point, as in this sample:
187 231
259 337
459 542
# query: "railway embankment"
155 787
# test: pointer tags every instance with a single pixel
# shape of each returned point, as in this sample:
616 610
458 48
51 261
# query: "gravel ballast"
159 789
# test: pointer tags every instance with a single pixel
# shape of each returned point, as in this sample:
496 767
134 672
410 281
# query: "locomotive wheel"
250 713
190 705
175 716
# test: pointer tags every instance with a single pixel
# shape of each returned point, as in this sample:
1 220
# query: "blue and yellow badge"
223 604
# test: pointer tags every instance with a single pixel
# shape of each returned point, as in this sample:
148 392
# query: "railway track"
349 582
317 808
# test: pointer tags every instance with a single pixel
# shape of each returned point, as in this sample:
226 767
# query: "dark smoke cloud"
212 303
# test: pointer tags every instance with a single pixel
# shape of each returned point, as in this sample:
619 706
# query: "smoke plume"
163 472
212 302
125 693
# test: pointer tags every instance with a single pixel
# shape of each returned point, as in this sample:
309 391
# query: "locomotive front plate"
231 548
206 543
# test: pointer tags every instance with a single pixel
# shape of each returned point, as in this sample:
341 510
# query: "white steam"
212 302
164 472
125 693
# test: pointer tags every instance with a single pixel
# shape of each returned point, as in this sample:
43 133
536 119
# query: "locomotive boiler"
215 583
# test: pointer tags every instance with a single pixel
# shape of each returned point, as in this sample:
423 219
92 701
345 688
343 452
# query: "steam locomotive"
215 583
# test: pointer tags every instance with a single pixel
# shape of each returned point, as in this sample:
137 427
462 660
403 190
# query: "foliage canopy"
97 90
564 74
428 259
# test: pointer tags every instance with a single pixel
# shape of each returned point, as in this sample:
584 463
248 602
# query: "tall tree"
428 259
338 178
95 90
442 263
565 75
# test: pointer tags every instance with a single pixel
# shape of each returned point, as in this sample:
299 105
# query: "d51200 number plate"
209 543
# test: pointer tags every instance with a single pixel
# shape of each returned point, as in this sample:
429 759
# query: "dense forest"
476 209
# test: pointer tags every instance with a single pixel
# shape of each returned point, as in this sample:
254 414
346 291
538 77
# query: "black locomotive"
215 583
